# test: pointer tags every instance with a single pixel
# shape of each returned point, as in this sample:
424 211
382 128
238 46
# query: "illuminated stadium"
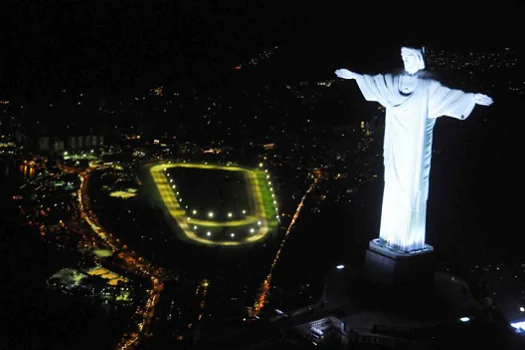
217 205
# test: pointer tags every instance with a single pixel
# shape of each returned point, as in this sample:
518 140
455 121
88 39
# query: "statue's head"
413 59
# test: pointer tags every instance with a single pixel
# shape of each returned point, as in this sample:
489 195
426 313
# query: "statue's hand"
345 74
483 100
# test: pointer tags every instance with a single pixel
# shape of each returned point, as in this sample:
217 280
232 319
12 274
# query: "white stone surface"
413 103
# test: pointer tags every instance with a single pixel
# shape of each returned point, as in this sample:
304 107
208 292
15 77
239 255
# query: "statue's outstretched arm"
346 74
483 100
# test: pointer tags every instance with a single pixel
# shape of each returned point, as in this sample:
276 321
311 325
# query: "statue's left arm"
444 101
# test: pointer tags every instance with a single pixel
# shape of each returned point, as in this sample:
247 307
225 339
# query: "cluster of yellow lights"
169 196
123 194
110 276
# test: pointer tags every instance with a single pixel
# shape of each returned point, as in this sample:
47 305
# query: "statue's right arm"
346 74
376 88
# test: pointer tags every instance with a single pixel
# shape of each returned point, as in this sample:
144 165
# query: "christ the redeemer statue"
412 104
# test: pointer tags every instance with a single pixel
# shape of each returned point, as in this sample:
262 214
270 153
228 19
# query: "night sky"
116 45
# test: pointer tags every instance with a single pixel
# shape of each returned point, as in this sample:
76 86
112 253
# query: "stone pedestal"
389 267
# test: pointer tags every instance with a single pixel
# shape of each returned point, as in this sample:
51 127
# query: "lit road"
184 221
130 262
266 284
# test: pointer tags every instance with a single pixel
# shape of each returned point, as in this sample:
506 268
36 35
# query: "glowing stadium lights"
194 227
232 235
340 267
189 218
522 309
465 319
194 212
261 165
171 180
174 205
230 215
259 223
173 186
208 233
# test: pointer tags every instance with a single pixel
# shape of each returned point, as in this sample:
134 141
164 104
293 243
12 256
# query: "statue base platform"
390 267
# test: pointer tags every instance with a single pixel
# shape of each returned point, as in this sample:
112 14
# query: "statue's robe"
410 120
